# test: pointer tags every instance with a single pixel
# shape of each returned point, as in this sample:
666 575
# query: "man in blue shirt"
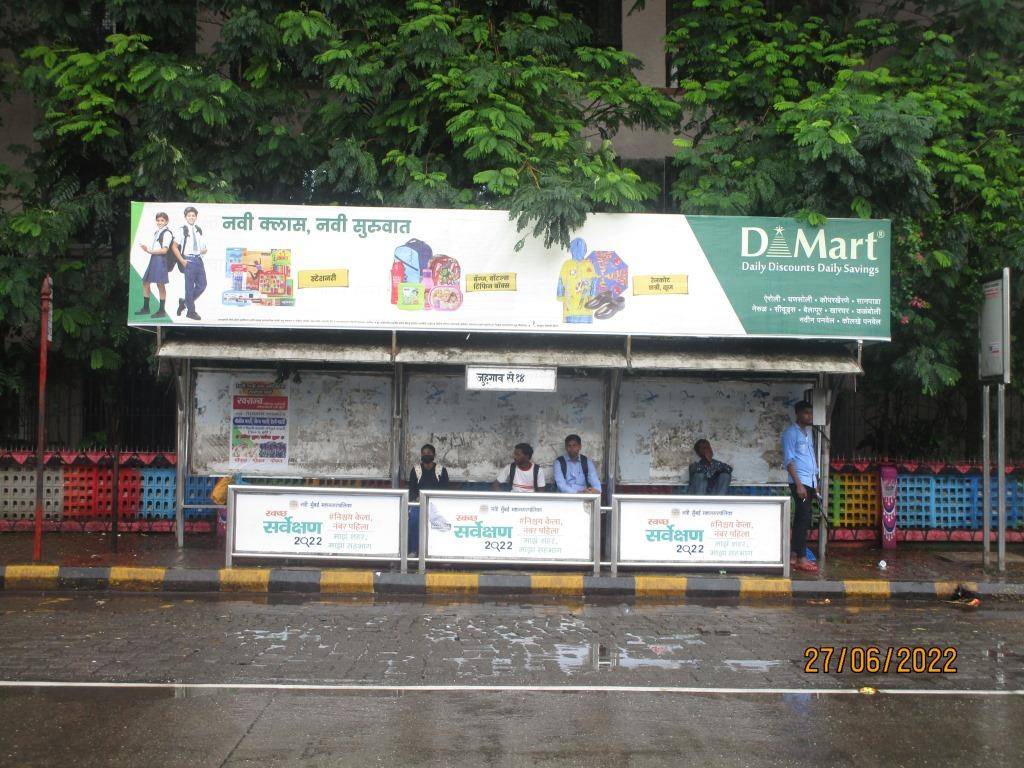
574 472
801 464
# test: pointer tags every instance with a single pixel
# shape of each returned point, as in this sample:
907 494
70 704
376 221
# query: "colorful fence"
945 502
78 489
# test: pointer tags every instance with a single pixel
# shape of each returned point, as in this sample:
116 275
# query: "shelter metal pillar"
611 451
183 382
824 462
1001 474
986 478
397 432
611 432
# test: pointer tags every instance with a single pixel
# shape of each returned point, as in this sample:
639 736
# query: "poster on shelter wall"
259 424
281 266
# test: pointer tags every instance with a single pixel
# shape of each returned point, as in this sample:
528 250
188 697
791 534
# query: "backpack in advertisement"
445 294
169 259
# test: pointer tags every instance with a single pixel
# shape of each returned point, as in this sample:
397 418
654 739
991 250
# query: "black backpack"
169 255
512 475
583 461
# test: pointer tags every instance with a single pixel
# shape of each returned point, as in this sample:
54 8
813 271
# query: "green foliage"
444 104
915 114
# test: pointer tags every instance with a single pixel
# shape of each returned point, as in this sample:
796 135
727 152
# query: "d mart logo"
755 243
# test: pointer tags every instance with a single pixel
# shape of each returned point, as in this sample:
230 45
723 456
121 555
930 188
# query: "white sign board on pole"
701 531
994 329
525 528
316 523
518 379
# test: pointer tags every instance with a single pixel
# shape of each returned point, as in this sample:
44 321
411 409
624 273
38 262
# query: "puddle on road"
750 665
544 644
625 661
470 647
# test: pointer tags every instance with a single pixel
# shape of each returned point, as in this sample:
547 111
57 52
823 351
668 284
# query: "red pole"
45 336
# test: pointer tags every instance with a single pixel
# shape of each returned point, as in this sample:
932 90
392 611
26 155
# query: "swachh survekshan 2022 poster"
283 266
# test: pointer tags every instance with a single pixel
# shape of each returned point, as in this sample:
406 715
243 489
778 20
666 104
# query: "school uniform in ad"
192 247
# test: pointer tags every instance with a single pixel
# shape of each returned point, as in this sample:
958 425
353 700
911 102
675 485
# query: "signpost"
280 522
510 528
994 366
45 337
733 532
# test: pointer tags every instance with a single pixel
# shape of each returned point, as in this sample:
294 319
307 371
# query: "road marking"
31 577
565 584
139 579
244 579
357 688
340 581
659 586
453 582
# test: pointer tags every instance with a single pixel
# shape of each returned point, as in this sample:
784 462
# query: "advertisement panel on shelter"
530 528
309 523
265 266
695 532
259 424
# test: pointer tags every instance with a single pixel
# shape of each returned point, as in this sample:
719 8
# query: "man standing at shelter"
574 472
802 467
522 476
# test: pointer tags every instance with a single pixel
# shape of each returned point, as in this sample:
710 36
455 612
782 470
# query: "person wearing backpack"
192 250
522 475
427 474
574 472
161 258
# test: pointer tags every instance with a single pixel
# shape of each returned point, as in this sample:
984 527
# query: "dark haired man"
522 476
427 474
802 466
574 472
708 476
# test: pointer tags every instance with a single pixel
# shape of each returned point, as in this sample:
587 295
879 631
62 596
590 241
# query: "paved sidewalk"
153 562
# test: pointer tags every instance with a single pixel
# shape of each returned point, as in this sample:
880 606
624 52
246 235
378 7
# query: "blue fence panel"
955 501
158 488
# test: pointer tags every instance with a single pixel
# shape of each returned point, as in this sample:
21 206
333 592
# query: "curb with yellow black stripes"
342 581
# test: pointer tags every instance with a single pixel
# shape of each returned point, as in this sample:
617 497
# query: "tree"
477 103
835 108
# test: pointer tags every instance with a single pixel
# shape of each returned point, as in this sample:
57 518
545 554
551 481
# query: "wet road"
468 684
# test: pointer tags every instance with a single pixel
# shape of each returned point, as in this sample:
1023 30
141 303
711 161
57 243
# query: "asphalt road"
274 682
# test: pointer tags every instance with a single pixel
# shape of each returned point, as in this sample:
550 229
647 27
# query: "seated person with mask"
708 476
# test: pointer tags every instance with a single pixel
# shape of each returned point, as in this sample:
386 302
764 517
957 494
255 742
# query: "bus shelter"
378 330
358 412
